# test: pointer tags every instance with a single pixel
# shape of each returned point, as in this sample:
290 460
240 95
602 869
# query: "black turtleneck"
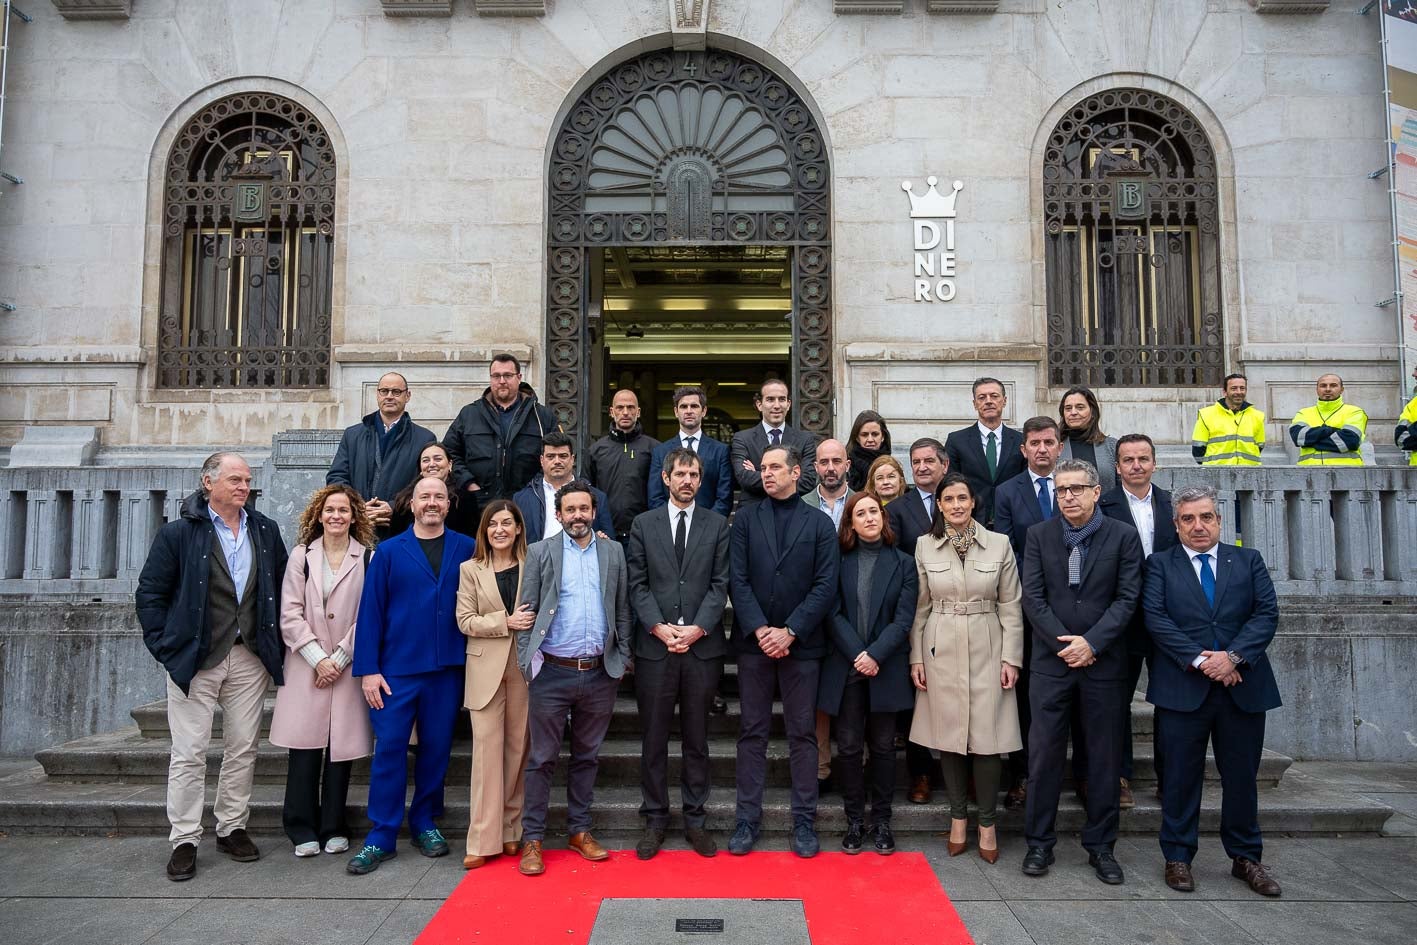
782 510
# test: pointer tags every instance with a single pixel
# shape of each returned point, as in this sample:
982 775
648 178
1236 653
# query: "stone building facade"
439 126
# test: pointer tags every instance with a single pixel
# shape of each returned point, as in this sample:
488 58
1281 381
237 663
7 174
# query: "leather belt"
964 607
578 663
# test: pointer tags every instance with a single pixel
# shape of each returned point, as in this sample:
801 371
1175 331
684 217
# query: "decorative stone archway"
701 147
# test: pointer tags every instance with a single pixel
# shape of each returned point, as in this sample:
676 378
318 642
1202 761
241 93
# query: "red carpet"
848 900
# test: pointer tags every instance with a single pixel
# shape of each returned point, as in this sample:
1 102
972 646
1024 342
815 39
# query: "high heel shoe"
988 854
956 848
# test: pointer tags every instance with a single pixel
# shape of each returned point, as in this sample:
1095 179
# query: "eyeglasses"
391 391
1073 491
505 377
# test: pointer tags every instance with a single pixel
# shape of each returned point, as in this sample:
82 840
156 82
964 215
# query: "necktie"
1045 498
1208 586
991 453
776 436
689 443
681 535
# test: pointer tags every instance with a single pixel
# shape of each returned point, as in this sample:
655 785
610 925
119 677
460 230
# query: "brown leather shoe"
586 845
920 790
531 864
512 848
1017 796
1178 876
1125 799
989 854
1256 875
472 862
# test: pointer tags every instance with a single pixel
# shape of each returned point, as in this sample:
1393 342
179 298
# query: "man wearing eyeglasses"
495 442
378 456
1081 579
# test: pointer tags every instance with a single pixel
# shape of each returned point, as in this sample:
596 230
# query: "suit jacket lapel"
769 527
1094 548
1224 568
415 551
355 553
881 575
916 505
698 531
607 593
850 572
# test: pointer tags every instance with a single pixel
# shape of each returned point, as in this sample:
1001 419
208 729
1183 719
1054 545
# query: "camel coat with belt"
968 621
496 692
306 717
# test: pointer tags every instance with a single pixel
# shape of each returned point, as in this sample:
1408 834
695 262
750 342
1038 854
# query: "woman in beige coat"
966 647
496 692
320 713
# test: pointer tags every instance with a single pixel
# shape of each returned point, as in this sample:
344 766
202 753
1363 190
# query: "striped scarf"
1076 539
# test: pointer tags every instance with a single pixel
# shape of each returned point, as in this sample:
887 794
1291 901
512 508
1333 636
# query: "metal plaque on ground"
700 922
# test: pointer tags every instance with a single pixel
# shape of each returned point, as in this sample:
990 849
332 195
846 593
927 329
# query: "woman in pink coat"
320 712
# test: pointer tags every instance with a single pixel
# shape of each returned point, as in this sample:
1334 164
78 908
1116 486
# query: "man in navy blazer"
558 467
1212 613
773 403
716 483
783 575
409 651
986 452
913 513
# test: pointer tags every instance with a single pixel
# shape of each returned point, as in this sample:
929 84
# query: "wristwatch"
1235 658
790 632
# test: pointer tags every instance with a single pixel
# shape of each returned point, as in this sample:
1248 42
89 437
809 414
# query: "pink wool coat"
306 717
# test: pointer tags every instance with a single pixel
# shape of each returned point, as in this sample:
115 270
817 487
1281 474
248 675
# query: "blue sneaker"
431 843
367 860
804 840
744 836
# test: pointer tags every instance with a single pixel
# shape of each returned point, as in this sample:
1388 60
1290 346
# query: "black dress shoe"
824 785
702 842
238 846
1107 867
650 843
183 865
855 837
884 840
1036 861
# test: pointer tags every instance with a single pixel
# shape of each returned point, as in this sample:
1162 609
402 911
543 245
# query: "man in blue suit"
1211 612
537 500
410 654
716 485
784 564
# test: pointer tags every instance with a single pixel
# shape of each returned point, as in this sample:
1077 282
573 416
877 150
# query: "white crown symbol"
933 204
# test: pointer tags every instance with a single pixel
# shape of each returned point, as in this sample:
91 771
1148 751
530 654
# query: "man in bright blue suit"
409 651
716 485
1211 612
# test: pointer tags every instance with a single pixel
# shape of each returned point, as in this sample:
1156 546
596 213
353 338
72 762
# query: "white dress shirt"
684 437
1195 557
928 498
833 507
984 433
674 512
1144 517
1052 487
553 526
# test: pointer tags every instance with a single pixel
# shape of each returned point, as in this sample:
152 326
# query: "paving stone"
405 922
1286 923
286 922
1382 861
993 923
86 921
1077 921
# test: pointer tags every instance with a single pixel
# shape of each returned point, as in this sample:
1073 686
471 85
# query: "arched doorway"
698 169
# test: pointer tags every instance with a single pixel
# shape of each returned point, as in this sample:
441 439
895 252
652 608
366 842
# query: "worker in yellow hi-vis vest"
1407 431
1229 432
1330 432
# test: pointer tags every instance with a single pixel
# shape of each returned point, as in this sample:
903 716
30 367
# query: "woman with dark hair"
434 462
966 647
885 479
495 692
1079 421
870 440
320 713
865 680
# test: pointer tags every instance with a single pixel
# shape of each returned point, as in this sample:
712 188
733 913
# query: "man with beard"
573 659
619 462
410 653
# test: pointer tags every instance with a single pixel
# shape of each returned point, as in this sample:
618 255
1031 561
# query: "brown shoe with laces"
531 864
1256 876
1178 876
1017 796
920 790
586 845
512 848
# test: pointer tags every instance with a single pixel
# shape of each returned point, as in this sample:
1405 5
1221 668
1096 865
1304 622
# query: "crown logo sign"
934 203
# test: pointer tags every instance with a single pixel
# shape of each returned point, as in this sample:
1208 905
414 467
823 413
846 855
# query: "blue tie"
1208 586
1045 499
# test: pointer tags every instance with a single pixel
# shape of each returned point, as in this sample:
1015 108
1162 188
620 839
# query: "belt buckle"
962 609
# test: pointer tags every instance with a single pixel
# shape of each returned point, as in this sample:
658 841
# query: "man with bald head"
619 463
378 456
409 653
830 496
1330 433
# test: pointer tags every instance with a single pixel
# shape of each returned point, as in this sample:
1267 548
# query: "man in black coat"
208 600
1081 579
495 441
913 513
619 462
677 556
986 452
784 587
378 456
1147 508
773 403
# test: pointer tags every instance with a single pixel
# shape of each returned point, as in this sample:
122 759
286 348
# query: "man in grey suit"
573 657
678 561
773 402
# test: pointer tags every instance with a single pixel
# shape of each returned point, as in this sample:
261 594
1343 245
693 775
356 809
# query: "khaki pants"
499 748
238 684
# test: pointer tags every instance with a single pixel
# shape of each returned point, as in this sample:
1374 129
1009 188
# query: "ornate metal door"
703 147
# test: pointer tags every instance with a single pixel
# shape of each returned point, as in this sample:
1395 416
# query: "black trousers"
315 793
758 677
1135 661
689 682
858 728
1053 699
1018 760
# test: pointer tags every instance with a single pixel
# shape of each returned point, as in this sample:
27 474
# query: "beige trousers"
238 684
499 746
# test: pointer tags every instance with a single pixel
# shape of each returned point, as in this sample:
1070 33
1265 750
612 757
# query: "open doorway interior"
716 316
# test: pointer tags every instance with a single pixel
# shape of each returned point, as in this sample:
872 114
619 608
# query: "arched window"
1133 245
248 248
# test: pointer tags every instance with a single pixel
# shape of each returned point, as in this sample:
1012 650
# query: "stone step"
31 803
127 756
152 720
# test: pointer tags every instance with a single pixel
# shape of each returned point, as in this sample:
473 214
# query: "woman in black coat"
865 678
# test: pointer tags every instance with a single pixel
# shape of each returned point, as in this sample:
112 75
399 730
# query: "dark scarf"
1077 540
861 459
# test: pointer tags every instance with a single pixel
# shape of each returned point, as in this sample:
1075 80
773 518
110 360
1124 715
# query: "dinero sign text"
932 218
